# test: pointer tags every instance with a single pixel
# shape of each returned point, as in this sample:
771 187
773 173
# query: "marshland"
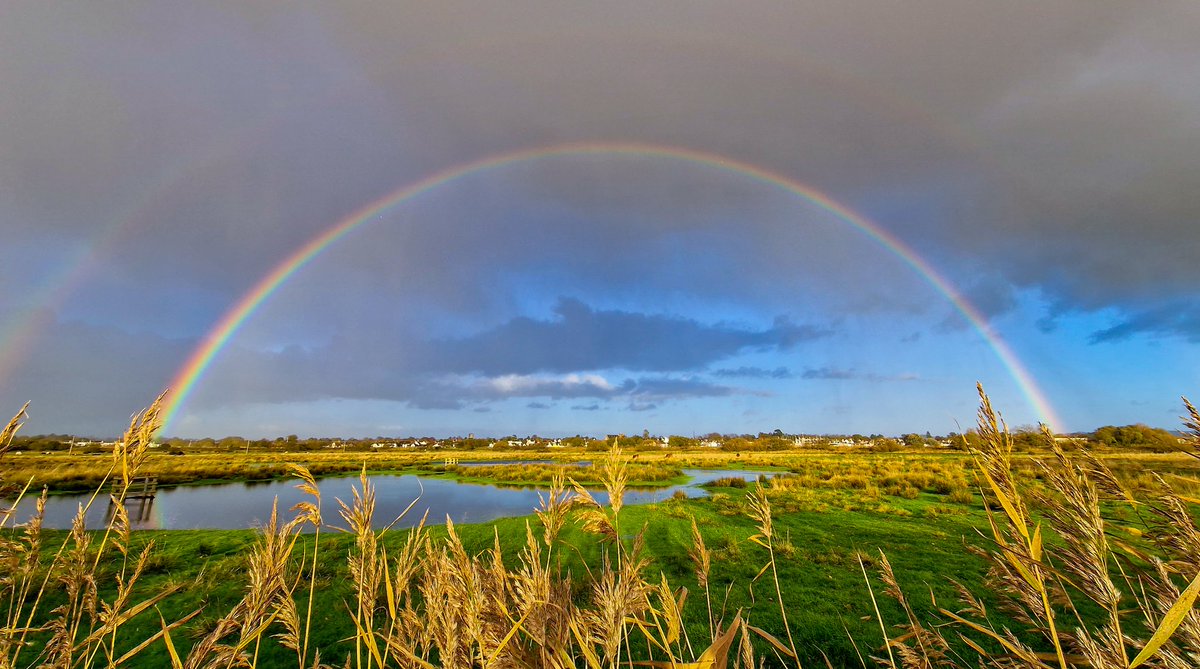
1043 558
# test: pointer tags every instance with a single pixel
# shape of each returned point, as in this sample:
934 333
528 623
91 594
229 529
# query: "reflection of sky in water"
242 505
485 463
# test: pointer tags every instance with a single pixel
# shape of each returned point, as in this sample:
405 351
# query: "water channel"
245 505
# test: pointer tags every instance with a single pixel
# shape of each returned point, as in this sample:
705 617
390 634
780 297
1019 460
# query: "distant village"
1127 437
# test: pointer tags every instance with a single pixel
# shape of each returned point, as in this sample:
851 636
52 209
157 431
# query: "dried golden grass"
1149 615
84 630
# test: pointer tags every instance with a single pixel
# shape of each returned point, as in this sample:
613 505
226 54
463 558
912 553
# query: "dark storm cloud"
1102 153
583 338
271 124
114 100
1079 144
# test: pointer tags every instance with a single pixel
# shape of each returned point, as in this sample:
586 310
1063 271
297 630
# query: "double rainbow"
202 357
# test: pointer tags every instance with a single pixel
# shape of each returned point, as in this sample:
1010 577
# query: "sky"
598 218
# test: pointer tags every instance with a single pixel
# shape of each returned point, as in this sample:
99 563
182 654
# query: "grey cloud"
750 372
646 389
675 388
829 373
1102 152
583 338
586 407
537 405
553 388
421 396
304 374
1173 319
839 374
991 298
88 379
239 103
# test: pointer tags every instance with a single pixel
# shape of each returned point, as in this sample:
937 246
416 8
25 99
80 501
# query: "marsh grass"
1083 572
1081 589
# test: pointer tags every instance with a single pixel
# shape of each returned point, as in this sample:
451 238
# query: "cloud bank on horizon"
160 158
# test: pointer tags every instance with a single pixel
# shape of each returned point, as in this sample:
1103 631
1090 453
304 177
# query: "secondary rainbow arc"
211 344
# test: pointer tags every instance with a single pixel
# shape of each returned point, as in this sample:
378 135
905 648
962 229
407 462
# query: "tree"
1137 436
676 441
885 445
736 444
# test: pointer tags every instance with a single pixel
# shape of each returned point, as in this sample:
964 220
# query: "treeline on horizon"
1128 437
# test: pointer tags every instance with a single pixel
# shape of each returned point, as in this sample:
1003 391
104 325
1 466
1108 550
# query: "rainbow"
20 334
229 324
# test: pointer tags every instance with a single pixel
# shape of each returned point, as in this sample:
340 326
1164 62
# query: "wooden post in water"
143 489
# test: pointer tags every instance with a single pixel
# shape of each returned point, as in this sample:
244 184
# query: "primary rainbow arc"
202 357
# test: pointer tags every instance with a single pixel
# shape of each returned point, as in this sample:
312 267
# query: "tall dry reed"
1055 554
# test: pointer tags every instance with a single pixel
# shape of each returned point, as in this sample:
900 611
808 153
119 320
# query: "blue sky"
159 159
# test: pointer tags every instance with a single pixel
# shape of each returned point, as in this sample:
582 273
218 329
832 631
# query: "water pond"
245 505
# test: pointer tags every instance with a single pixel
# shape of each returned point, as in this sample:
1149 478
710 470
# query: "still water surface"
244 505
